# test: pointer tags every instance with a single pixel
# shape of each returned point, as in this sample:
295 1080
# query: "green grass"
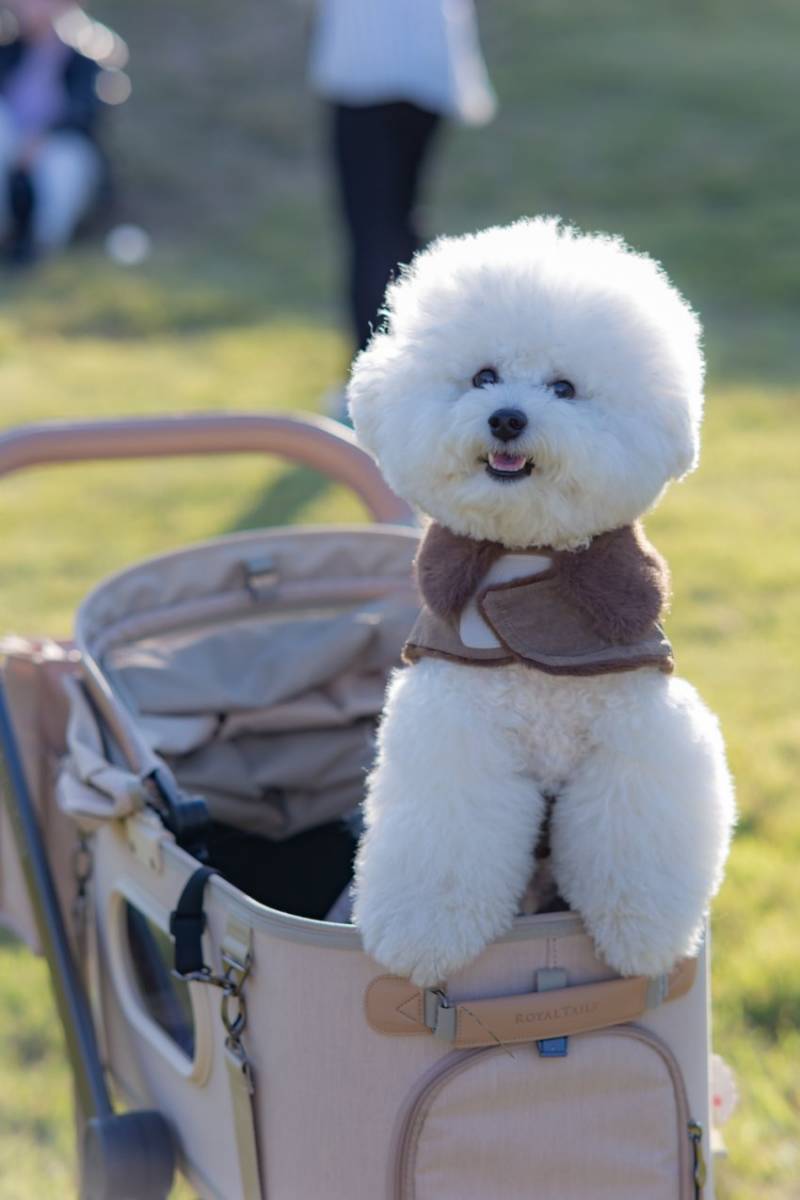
674 125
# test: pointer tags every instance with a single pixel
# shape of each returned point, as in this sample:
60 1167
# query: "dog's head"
532 384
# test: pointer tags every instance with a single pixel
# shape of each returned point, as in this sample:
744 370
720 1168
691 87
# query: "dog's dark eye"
484 377
562 388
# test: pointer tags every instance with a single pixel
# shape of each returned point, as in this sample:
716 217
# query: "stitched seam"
576 667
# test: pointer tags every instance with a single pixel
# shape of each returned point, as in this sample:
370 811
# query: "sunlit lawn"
674 125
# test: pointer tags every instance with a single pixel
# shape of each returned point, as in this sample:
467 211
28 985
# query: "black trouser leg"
21 201
379 152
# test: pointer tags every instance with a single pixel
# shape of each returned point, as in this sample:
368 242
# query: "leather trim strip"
396 1007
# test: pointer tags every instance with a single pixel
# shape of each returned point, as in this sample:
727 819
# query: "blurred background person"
50 162
390 70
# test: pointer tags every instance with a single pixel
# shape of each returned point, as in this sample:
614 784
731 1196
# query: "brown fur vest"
593 611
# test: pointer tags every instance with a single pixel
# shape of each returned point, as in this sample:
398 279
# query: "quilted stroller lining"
271 718
264 700
278 744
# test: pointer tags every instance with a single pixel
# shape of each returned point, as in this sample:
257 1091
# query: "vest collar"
619 582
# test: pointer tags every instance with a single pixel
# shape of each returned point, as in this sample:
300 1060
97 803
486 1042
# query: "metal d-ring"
234 1026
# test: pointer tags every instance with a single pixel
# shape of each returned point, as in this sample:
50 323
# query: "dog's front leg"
640 832
451 823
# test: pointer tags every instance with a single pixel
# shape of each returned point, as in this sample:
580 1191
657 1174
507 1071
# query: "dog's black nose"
507 423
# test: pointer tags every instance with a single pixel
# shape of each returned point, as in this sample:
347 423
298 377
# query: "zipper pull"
699 1165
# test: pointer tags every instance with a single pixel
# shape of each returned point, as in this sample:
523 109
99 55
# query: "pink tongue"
507 462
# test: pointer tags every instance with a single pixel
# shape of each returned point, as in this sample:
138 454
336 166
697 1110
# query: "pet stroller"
181 792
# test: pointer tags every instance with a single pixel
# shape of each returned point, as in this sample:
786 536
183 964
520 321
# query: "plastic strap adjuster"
187 923
440 1016
548 979
657 990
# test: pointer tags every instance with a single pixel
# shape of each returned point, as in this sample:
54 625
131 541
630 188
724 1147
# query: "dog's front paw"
633 945
426 947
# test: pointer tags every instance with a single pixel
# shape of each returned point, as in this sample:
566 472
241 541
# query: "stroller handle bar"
310 440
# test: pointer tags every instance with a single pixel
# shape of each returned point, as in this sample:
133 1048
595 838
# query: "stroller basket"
204 745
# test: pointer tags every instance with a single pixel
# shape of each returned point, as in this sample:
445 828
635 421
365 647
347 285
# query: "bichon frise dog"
534 391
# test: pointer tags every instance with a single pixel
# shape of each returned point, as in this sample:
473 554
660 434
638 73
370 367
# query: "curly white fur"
645 803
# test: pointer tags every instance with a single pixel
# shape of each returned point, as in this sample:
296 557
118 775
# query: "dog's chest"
473 629
549 719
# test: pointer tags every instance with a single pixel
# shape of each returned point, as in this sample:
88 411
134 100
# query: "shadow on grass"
282 500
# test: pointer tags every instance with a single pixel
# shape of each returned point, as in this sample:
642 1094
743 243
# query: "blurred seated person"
49 157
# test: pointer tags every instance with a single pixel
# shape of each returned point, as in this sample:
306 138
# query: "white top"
473 630
426 52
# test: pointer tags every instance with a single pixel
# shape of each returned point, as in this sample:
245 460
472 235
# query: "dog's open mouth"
501 465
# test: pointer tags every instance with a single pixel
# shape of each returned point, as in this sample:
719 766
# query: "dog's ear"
684 432
680 430
687 455
366 390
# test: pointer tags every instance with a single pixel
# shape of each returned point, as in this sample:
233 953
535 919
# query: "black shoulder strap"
187 922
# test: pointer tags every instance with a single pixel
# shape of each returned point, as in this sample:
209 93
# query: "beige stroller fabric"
90 788
34 673
254 666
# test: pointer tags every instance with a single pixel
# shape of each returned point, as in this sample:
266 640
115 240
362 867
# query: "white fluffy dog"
534 391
